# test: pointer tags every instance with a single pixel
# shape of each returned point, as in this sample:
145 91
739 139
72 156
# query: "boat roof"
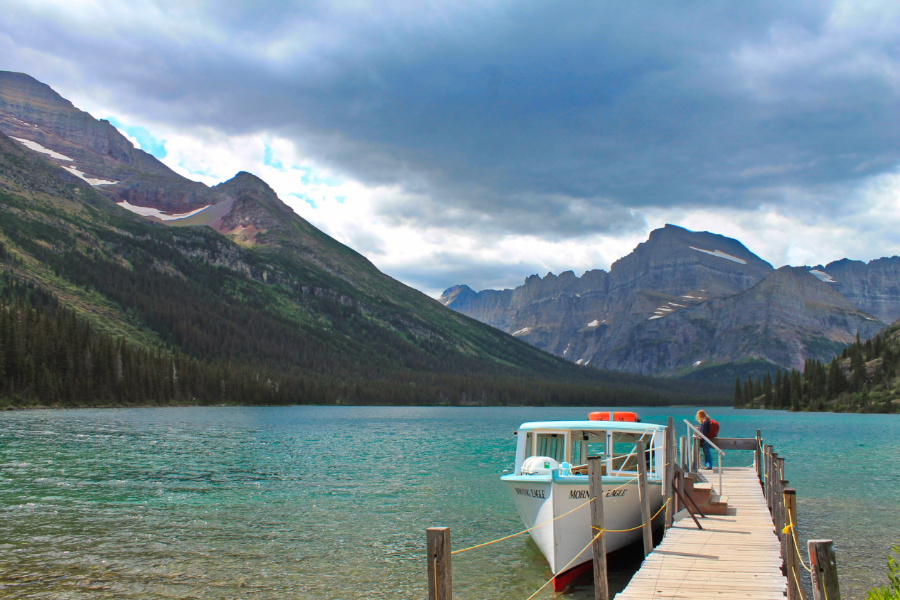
592 426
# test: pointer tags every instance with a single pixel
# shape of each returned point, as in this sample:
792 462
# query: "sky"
481 142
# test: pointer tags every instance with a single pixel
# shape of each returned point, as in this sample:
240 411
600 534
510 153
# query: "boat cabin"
568 444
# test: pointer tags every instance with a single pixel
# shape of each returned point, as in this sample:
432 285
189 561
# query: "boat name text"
584 494
531 493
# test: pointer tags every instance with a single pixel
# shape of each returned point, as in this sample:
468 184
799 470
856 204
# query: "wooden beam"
791 559
595 489
670 471
824 570
440 580
735 443
645 498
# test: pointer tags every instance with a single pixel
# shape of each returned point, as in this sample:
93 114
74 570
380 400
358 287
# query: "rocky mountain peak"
23 89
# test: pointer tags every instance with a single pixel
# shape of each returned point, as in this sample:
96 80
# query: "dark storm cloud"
551 118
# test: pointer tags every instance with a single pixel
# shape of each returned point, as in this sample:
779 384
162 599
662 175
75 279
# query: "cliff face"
683 302
872 287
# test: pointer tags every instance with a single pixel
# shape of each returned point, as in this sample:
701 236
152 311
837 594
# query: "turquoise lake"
333 502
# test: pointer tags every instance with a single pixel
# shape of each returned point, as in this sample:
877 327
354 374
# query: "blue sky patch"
147 141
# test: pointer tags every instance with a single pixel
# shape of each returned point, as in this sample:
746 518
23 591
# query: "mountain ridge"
676 306
246 283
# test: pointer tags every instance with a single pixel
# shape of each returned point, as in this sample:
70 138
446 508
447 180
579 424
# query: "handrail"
719 450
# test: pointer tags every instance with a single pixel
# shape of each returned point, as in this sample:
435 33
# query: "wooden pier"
736 556
743 546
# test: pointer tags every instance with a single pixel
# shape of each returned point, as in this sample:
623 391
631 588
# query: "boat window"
552 445
529 447
624 454
587 443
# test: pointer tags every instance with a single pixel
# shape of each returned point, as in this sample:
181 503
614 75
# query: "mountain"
228 283
692 304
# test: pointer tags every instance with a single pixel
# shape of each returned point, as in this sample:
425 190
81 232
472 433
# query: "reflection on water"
332 502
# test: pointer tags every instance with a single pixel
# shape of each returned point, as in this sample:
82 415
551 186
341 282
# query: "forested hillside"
100 307
864 378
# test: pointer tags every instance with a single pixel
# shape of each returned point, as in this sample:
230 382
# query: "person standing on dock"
705 422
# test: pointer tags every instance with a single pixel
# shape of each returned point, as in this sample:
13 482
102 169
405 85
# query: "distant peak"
13 85
245 181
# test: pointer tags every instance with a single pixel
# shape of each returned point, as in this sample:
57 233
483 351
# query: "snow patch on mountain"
720 254
90 180
38 148
822 275
145 211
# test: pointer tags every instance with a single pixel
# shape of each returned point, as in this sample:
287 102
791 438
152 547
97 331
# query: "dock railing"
718 450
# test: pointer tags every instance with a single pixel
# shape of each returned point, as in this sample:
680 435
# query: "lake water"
333 502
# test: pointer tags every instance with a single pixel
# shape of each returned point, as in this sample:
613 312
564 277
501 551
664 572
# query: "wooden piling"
645 498
791 559
757 456
440 580
670 471
684 453
824 570
768 476
595 489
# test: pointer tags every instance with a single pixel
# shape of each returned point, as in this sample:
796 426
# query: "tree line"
863 378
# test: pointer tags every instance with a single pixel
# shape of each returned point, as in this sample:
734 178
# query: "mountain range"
231 277
694 305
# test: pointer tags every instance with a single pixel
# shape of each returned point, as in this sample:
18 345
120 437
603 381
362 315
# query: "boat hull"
557 507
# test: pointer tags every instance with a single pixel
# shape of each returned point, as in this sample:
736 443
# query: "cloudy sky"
480 142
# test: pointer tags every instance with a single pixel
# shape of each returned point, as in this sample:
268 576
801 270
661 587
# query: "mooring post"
684 453
670 471
645 499
768 479
440 580
595 489
783 521
780 482
757 457
791 557
824 570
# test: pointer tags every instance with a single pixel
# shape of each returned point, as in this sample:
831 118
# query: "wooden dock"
736 556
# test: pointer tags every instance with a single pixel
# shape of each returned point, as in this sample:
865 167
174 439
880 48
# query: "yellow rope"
565 567
797 582
790 526
460 551
639 526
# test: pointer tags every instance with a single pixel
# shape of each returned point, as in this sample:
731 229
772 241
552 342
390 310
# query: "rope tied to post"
524 531
549 581
790 527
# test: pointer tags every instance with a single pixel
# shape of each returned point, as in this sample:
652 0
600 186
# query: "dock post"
684 453
595 489
790 557
439 572
780 482
824 570
783 518
757 457
768 477
670 471
645 499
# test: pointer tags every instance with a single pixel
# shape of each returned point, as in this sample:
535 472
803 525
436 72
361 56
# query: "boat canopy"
591 426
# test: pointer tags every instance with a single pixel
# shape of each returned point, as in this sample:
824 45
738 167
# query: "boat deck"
736 556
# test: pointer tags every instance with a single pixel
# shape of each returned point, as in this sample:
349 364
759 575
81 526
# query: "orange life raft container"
629 417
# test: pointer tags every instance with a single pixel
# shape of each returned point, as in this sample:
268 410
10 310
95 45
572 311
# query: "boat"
550 485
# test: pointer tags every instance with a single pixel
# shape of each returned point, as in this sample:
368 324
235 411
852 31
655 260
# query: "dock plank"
736 556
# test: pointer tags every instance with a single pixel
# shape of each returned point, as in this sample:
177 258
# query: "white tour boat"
550 479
